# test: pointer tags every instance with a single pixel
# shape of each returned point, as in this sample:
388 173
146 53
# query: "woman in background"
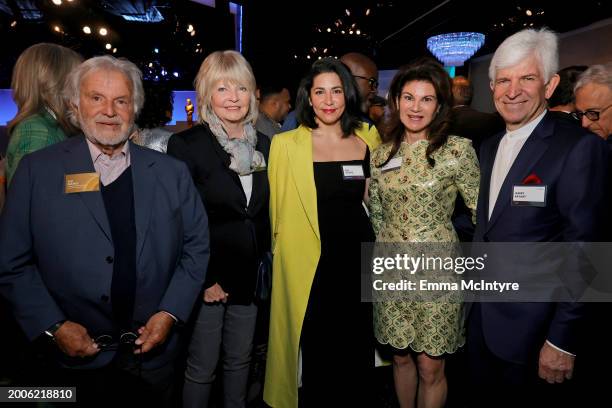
227 160
318 179
416 175
38 84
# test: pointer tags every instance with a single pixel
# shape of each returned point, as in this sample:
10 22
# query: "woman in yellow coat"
318 179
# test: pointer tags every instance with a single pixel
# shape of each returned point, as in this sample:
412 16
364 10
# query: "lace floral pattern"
414 203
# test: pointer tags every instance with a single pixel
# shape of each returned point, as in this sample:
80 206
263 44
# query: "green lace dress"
414 203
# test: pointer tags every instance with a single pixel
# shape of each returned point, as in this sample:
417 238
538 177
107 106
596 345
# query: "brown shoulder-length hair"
428 70
38 81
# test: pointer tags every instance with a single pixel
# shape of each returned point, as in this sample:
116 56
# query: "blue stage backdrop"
8 109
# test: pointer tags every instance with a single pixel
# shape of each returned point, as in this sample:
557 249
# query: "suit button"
104 298
109 259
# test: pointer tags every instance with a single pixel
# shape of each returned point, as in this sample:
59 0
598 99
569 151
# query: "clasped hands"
74 340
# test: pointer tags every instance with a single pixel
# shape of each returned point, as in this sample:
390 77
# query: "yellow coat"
296 246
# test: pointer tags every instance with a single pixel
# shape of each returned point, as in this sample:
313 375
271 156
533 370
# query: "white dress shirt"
509 147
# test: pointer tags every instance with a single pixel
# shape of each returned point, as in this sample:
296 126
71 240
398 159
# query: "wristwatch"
51 330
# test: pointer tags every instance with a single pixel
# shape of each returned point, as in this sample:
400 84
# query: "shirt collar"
526 130
96 153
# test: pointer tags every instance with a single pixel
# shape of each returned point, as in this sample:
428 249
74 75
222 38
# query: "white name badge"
353 172
534 196
393 164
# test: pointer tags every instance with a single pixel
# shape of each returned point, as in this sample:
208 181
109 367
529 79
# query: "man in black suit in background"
468 122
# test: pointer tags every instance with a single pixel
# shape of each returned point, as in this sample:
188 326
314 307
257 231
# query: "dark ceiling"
278 35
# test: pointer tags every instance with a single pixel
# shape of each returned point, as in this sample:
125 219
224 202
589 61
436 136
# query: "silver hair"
107 63
599 74
543 43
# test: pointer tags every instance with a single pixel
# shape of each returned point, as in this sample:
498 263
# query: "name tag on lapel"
393 164
81 182
533 196
352 172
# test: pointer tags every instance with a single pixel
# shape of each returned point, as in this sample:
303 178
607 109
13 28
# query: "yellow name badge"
81 182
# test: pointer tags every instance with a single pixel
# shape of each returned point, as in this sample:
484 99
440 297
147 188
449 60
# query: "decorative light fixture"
453 49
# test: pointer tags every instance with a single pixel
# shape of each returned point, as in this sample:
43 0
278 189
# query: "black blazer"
238 234
474 125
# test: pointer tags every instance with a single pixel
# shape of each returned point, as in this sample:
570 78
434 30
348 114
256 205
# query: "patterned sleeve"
375 204
26 138
467 178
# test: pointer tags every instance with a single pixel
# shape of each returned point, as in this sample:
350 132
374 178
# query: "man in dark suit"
517 348
468 122
104 245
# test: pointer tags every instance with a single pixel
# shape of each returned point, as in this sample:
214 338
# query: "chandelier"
453 49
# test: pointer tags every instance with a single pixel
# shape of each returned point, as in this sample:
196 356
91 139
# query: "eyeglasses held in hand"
591 115
373 82
108 342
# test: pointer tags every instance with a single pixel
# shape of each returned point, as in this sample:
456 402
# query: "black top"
118 199
239 234
343 226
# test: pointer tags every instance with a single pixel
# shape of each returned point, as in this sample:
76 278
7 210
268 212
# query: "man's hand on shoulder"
74 341
154 332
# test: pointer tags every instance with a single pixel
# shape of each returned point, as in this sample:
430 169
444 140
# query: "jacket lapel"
533 149
300 159
144 182
260 179
78 160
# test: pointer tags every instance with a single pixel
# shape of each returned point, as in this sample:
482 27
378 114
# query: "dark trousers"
122 383
498 383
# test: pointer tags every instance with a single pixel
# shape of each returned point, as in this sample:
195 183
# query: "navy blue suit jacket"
56 248
572 163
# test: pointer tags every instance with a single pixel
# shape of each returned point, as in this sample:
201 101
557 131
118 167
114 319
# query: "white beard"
91 134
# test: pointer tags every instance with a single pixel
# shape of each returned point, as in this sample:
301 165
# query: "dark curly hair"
350 120
393 130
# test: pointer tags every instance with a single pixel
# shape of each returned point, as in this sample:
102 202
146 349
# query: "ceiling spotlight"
114 50
189 28
350 31
329 30
308 57
193 33
156 50
150 65
176 74
358 32
108 46
348 12
319 57
342 32
325 51
295 56
528 12
86 29
14 23
57 29
367 13
103 31
57 2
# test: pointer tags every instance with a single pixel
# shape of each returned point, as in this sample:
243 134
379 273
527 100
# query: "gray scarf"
244 158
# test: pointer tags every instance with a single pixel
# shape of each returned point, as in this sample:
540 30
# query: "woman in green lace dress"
415 177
